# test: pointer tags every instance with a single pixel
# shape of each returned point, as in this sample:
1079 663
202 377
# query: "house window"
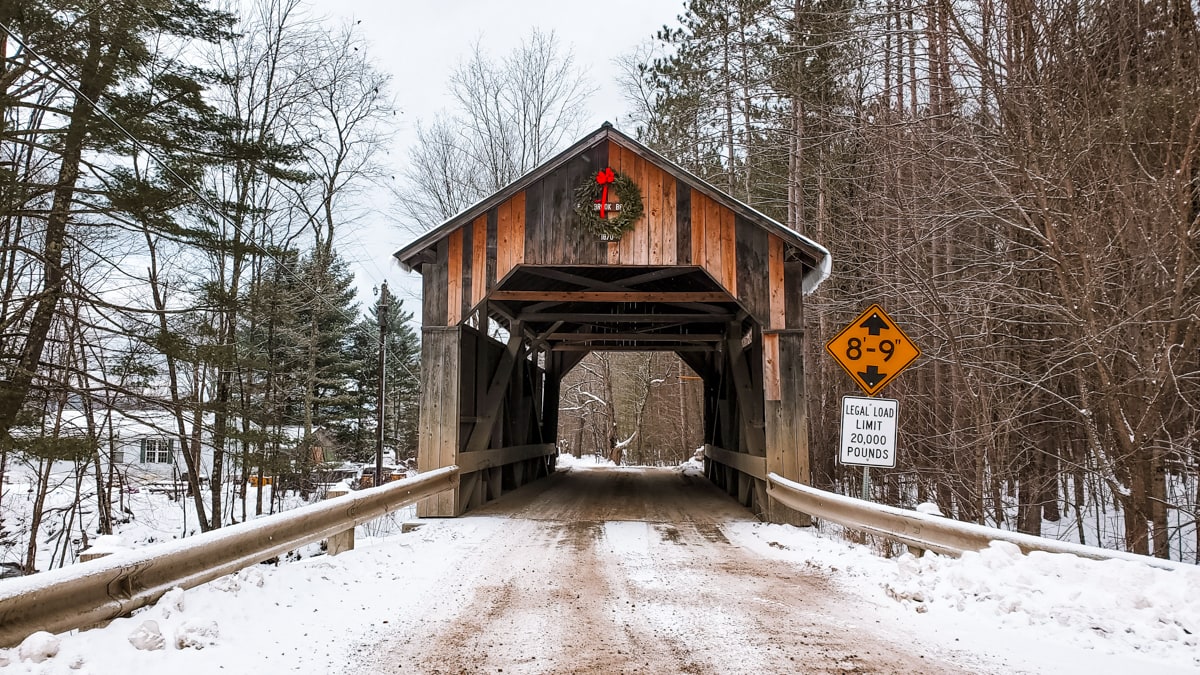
118 456
157 450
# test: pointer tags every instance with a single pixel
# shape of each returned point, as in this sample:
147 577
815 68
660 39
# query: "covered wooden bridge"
609 246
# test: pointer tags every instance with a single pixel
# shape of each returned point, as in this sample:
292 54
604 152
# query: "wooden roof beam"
626 284
612 296
572 317
640 337
632 348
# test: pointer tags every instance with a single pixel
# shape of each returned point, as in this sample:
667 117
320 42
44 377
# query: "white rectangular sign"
869 431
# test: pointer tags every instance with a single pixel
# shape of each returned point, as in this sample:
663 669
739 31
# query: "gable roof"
819 261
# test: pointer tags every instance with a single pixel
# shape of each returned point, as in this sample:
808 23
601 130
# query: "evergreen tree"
325 314
105 55
403 384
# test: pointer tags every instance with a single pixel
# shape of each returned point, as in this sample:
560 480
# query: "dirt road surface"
615 570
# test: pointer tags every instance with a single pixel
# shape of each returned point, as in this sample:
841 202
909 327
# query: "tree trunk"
1029 493
35 519
1158 505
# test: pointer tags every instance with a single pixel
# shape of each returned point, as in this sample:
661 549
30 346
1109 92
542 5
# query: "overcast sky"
418 43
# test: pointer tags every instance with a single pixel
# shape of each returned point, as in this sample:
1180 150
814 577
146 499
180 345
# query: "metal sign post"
872 350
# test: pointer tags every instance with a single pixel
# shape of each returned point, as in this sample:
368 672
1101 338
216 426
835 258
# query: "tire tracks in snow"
628 571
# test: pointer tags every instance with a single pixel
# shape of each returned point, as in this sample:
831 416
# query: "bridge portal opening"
643 408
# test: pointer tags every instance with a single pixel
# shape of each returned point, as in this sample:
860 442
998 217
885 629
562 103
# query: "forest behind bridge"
1016 182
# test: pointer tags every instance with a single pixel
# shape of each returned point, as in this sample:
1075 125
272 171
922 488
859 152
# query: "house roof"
413 255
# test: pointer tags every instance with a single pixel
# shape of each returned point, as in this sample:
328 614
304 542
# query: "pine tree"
403 384
105 54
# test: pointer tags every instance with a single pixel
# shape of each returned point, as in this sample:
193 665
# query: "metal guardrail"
925 532
91 592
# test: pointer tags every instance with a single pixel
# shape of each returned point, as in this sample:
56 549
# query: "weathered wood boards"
680 226
722 288
438 424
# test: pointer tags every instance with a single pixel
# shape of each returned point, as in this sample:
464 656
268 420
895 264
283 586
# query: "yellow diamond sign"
872 350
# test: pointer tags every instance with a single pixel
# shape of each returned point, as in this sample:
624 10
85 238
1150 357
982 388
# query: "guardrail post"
340 542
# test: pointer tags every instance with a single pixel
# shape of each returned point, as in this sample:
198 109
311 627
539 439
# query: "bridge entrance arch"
521 286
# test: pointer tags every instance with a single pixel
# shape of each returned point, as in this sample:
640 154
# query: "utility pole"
382 312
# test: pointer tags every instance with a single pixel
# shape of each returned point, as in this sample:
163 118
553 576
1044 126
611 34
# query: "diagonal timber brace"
490 409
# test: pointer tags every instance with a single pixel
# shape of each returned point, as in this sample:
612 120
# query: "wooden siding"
553 234
679 226
438 428
683 224
479 259
510 234
776 319
434 278
653 239
771 386
714 240
455 278
751 269
478 254
775 273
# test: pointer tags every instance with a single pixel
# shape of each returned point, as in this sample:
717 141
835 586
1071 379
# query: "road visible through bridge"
618 570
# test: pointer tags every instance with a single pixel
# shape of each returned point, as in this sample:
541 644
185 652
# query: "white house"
149 443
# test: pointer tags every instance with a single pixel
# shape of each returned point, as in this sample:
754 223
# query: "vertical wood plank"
794 408
454 277
543 236
641 230
654 212
669 227
537 216
479 241
683 223
698 237
624 163
468 270
729 251
712 239
433 281
590 249
492 248
437 436
518 227
565 242
503 240
775 281
787 427
751 268
614 156
793 295
771 366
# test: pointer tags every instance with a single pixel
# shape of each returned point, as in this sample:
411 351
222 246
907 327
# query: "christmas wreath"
593 209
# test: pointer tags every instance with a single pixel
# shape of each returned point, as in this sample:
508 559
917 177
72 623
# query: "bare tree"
511 115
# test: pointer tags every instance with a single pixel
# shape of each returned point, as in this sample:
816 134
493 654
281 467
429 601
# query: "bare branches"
512 114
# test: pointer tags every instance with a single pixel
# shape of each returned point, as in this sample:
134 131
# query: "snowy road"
610 570
627 570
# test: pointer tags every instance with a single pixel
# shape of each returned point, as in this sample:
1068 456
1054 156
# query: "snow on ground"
1040 613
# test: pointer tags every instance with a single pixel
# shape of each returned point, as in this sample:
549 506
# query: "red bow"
604 178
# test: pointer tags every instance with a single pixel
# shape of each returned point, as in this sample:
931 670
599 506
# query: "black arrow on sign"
872 377
875 324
